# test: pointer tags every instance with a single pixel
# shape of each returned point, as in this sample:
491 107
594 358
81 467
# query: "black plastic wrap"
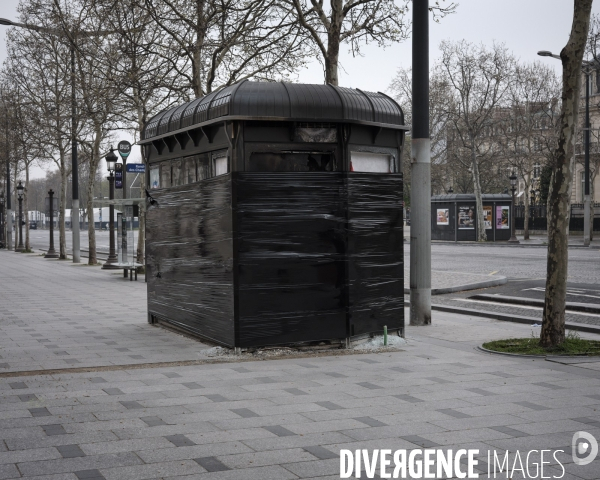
252 259
291 264
190 258
375 252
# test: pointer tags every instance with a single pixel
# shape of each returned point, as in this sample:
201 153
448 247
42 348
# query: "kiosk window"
220 164
176 173
291 161
165 174
203 167
155 177
371 162
189 175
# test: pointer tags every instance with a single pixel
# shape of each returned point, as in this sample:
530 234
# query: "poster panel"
487 217
466 217
443 217
154 177
502 217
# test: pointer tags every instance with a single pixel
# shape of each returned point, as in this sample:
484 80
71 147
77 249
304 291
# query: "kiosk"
275 215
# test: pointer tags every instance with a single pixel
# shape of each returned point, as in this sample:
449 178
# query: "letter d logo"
585 448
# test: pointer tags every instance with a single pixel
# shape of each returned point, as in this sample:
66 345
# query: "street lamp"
20 189
112 260
51 253
586 129
513 188
450 190
75 190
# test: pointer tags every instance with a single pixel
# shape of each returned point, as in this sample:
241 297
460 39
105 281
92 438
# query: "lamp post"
112 260
586 129
51 253
513 188
20 189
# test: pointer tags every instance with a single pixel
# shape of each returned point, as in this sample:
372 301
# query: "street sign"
136 168
124 148
118 175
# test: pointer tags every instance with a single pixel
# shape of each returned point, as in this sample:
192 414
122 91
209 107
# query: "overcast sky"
524 26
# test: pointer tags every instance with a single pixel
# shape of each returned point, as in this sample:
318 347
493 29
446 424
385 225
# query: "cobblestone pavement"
278 419
54 314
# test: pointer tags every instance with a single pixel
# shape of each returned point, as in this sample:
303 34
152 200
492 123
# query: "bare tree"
439 107
526 123
553 323
478 78
356 23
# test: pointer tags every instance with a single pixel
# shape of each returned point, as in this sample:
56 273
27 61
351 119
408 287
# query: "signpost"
119 175
124 148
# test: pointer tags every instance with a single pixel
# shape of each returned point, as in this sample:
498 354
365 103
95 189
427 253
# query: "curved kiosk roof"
278 101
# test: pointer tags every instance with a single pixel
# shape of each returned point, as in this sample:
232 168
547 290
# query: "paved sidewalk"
278 419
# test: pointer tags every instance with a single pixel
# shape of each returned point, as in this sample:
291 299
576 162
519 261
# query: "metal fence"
538 220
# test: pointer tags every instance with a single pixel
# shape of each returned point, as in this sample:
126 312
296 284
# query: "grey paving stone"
420 441
295 391
113 391
502 374
136 357
153 421
437 380
307 365
548 385
71 361
211 464
367 360
40 412
279 431
408 398
244 412
371 422
179 440
18 385
480 391
30 397
216 398
97 380
370 386
533 406
4 365
329 405
89 475
595 397
265 380
320 452
401 370
130 405
171 375
587 421
241 370
70 451
509 431
54 429
9 471
336 374
192 385
453 413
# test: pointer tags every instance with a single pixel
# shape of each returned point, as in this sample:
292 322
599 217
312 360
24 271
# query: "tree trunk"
592 179
333 43
62 238
481 233
94 161
26 208
16 209
526 219
553 323
142 224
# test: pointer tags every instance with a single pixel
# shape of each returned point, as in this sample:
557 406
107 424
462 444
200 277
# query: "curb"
532 302
493 282
508 354
510 318
503 244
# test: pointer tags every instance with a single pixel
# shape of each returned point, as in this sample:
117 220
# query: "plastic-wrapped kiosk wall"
277 215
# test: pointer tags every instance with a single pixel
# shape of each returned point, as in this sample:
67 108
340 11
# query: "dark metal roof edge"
232 96
395 103
339 95
224 118
370 103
